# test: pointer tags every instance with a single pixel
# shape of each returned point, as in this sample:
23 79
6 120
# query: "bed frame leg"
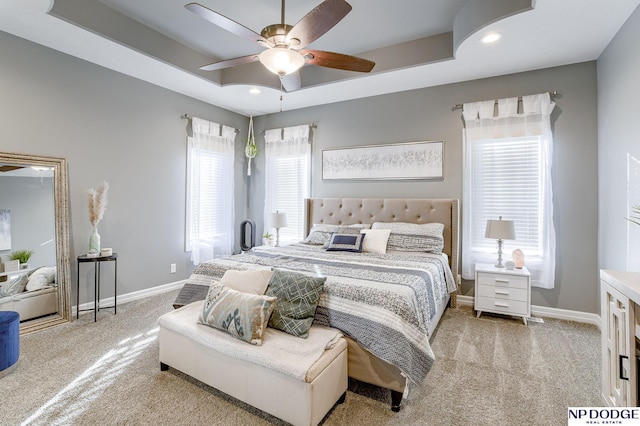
163 366
342 398
396 400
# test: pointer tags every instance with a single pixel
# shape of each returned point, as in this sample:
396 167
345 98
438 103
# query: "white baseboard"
135 295
543 311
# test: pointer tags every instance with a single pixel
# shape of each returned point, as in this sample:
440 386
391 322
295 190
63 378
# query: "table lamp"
500 230
277 220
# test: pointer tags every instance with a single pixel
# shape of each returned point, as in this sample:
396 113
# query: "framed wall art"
410 160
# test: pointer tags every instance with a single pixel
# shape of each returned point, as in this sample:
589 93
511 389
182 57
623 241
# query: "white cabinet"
619 297
503 291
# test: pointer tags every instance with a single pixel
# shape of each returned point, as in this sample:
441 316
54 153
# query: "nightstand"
503 291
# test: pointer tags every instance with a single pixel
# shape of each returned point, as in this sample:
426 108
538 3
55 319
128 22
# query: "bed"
388 305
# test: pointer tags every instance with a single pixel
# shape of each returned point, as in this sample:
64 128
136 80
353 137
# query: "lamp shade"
277 220
281 61
500 229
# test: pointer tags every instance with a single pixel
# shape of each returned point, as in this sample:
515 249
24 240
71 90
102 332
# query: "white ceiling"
554 32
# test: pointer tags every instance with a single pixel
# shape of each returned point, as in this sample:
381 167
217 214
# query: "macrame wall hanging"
251 149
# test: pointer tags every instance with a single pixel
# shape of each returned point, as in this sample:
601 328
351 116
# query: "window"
287 183
210 212
505 178
507 172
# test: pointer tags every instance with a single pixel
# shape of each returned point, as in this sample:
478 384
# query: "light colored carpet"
488 371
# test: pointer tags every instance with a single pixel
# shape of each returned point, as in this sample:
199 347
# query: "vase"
94 242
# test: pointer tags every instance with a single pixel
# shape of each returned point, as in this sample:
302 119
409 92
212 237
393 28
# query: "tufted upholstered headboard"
347 211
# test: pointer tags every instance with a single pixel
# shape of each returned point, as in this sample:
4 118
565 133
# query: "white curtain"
210 203
287 182
507 172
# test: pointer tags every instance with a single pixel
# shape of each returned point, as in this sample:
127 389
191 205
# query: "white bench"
204 353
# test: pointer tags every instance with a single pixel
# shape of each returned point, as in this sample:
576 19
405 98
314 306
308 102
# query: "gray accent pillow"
242 315
297 299
320 233
14 286
427 237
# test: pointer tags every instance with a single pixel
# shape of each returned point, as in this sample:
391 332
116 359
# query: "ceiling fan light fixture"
281 61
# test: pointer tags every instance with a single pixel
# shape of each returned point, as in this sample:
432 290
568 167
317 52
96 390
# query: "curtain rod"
311 125
188 117
459 106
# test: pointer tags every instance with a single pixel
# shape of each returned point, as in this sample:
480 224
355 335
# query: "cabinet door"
618 348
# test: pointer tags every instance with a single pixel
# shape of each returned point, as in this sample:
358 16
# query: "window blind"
209 204
506 180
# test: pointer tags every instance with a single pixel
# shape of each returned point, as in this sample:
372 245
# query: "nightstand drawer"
513 307
502 292
502 280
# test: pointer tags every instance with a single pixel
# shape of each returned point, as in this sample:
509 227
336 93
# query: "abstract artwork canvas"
411 160
5 229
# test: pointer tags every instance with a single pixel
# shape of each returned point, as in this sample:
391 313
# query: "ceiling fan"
285 45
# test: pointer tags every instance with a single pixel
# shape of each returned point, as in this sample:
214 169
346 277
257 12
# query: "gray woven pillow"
320 233
297 299
427 237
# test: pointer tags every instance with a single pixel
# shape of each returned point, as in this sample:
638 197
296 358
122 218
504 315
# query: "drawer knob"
500 280
502 305
504 292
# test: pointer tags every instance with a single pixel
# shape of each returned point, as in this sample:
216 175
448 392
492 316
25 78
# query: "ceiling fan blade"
337 60
317 22
230 63
226 23
291 82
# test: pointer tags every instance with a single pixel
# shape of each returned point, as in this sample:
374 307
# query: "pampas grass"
97 203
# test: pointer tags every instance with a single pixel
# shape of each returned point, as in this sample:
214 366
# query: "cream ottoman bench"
287 377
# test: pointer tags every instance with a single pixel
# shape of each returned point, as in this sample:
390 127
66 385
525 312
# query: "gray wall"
618 97
114 128
426 115
32 217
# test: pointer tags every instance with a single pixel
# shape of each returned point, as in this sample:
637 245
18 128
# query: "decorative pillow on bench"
297 299
254 282
242 315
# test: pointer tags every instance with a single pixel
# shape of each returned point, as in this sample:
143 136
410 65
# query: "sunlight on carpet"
70 402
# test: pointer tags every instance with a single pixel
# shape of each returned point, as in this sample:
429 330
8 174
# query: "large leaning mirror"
34 240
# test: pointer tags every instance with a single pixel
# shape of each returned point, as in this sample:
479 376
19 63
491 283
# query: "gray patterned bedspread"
384 302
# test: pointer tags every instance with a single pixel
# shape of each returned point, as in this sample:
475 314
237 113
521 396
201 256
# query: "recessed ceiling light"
491 38
254 91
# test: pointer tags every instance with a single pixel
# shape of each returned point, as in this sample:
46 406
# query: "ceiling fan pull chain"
281 87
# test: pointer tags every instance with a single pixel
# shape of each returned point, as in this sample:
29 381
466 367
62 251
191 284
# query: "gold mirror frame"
60 189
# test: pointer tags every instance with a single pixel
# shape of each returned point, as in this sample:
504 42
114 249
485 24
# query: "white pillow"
375 240
253 282
41 277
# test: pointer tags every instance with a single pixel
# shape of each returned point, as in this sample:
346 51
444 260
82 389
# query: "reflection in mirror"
34 240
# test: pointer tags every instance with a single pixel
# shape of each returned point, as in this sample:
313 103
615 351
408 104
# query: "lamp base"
499 263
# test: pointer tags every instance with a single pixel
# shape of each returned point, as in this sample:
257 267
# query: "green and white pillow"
297 299
242 315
